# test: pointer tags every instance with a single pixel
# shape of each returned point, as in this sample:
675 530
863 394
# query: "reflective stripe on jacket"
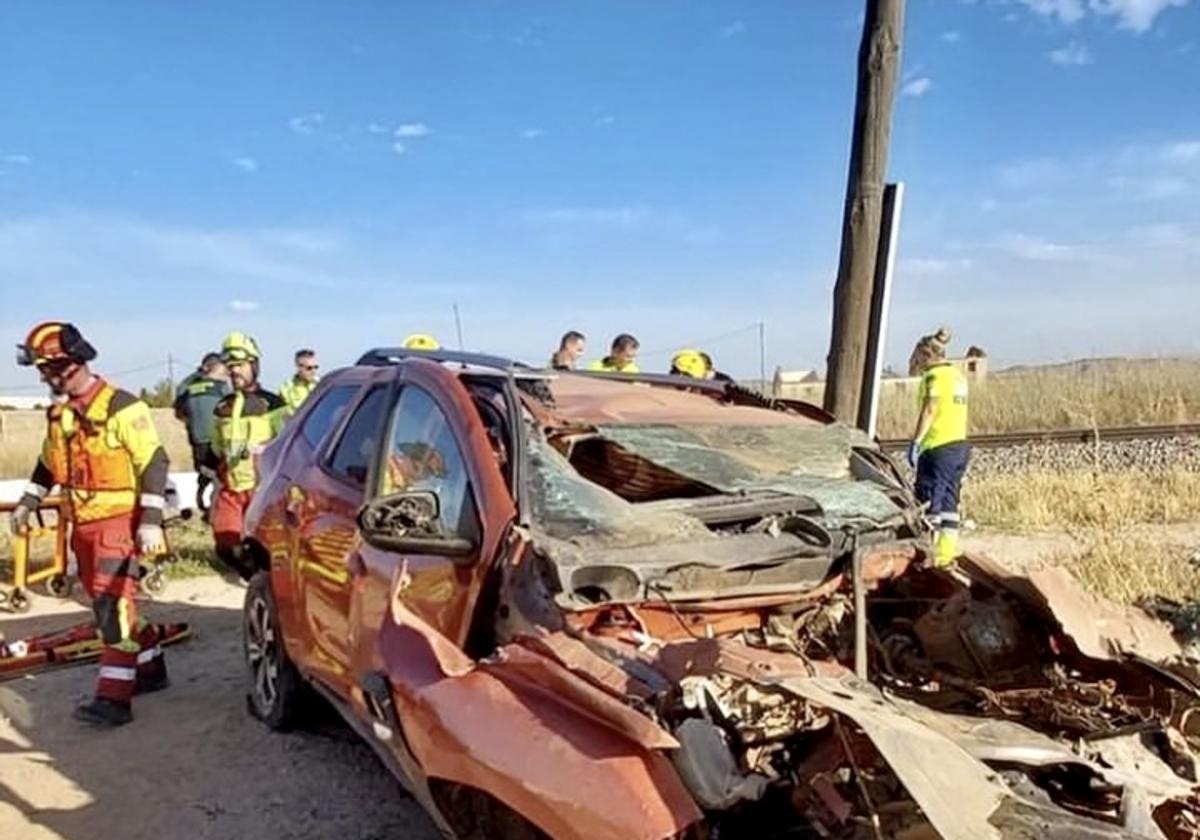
245 423
99 449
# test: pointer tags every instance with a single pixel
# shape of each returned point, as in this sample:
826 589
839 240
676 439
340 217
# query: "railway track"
1069 436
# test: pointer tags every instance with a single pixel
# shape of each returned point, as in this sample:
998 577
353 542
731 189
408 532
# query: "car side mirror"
408 523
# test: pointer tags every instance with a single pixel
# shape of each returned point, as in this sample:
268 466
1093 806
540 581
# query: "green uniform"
195 400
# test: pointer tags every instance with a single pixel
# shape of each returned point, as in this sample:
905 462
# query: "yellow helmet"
239 347
420 341
689 363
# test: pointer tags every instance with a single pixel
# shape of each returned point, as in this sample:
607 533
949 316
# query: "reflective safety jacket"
947 386
103 450
294 392
609 365
195 401
245 423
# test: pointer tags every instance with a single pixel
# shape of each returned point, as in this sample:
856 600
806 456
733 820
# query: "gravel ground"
1147 454
193 764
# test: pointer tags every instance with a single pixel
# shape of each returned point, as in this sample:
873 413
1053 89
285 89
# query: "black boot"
103 712
152 676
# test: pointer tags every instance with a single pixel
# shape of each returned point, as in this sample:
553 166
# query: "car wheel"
277 694
474 815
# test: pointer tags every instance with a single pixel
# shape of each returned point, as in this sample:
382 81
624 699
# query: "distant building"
808 386
787 379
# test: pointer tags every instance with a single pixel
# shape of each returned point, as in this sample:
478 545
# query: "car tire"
475 815
277 694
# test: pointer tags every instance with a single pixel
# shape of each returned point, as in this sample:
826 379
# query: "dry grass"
21 434
1116 519
1080 395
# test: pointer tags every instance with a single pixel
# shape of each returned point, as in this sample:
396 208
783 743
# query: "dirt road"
193 764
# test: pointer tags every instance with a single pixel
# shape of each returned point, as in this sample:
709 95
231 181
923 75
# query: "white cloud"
1135 15
917 87
377 128
734 29
625 216
243 305
605 120
933 266
307 124
1067 11
532 133
245 163
1150 188
417 129
1037 249
18 160
1032 174
1074 54
399 148
1183 151
952 36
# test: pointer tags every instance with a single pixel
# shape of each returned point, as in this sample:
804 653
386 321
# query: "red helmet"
54 341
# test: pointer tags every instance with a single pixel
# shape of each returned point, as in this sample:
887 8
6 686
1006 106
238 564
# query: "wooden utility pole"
878 68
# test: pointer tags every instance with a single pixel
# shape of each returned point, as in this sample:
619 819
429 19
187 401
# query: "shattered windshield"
811 461
567 506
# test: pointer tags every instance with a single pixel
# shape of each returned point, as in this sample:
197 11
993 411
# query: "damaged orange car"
595 607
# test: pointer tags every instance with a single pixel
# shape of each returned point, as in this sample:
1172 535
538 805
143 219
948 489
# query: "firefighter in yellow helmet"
421 341
690 363
939 451
102 449
246 421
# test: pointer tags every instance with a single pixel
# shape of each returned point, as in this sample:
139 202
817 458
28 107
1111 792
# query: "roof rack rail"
384 356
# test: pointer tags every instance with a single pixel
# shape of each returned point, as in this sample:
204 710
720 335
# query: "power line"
701 343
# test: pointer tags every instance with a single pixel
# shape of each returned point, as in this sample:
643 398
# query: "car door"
435 442
322 505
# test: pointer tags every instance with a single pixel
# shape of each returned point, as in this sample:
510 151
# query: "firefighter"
246 421
195 400
690 363
621 358
102 449
939 451
421 341
302 383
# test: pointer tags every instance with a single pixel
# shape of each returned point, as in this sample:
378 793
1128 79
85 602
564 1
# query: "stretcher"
72 645
51 521
15 596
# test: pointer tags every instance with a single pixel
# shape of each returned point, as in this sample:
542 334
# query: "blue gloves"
914 452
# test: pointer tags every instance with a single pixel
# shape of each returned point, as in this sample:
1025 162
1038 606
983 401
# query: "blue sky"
340 175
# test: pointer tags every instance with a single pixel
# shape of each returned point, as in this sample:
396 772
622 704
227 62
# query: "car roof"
601 400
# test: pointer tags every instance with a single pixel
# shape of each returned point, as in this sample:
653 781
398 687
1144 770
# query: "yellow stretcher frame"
16 595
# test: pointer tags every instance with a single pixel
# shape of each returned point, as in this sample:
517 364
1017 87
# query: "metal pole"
458 327
878 68
881 298
762 356
860 616
171 372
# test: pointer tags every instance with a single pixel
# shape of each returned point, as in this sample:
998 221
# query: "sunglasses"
310 367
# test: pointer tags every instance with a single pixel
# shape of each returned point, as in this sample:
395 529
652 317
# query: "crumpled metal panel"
1100 628
806 461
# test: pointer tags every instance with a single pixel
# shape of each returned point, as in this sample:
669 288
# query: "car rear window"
351 459
326 414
